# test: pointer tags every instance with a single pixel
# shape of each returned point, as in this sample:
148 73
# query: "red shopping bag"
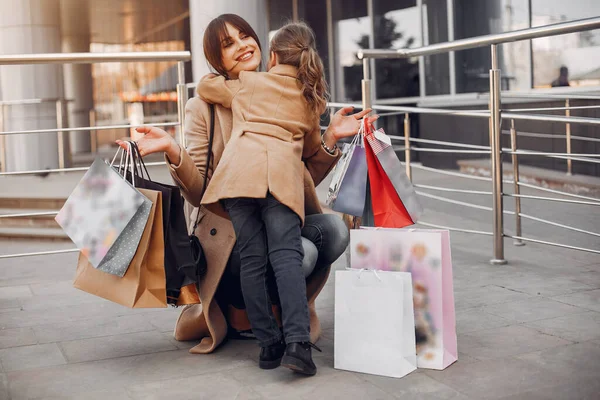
388 210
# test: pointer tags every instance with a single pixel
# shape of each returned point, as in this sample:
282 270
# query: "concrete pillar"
75 27
31 26
202 12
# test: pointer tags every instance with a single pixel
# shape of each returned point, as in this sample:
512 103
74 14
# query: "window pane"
437 68
280 13
578 52
396 26
352 29
478 18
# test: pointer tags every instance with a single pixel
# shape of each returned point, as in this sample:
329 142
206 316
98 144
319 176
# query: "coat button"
213 232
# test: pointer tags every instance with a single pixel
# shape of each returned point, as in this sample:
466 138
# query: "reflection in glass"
396 26
435 30
478 18
352 28
565 60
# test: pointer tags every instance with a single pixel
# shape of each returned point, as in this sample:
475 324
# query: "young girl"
258 180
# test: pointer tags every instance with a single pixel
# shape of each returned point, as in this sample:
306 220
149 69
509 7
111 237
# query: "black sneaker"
298 358
270 356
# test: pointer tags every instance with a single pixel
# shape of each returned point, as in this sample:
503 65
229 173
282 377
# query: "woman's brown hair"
216 32
294 44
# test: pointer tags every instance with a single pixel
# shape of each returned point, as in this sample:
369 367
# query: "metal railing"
81 58
494 114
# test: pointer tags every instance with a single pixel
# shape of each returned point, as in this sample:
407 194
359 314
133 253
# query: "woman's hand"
154 141
343 125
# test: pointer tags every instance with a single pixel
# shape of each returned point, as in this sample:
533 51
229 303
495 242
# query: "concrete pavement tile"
17 337
533 309
475 319
579 360
207 386
90 328
8 304
577 389
506 341
486 295
15 292
576 327
415 387
548 287
119 394
59 301
179 344
64 287
589 299
494 379
29 357
4 387
116 374
74 380
591 278
333 385
163 320
119 345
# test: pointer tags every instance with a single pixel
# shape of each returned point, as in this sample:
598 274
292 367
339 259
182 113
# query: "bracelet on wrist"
329 150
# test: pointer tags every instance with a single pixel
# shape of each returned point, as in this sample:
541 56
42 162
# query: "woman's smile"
245 56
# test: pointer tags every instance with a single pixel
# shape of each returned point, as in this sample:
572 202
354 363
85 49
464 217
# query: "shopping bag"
426 255
179 262
348 187
374 323
99 211
143 285
388 210
381 145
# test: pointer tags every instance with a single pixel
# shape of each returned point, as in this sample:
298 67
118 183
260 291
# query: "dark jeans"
268 231
324 239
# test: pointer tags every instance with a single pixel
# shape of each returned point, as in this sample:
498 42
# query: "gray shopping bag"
103 210
348 188
390 163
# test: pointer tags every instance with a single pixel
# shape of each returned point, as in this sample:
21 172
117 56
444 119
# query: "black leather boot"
298 358
270 356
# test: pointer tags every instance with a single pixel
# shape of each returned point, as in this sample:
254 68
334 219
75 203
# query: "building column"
75 27
202 12
30 27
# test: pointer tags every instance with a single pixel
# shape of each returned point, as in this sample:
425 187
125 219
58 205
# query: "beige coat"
273 130
206 322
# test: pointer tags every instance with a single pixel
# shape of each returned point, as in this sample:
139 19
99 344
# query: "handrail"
89 58
481 41
32 101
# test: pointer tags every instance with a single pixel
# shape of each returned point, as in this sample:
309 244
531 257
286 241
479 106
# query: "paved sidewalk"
526 330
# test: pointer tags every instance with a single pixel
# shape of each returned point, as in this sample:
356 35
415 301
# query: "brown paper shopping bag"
143 285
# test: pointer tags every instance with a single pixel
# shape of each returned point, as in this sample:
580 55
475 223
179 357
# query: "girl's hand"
155 140
343 125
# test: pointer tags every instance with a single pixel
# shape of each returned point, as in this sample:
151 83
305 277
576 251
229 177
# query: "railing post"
2 141
60 135
181 100
496 156
568 131
407 145
93 132
516 189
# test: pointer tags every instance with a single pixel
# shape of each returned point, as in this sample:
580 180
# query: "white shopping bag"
374 323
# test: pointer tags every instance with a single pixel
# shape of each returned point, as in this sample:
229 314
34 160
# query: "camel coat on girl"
207 322
273 130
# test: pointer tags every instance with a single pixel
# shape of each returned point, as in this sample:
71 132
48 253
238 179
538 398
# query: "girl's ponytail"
312 76
295 45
